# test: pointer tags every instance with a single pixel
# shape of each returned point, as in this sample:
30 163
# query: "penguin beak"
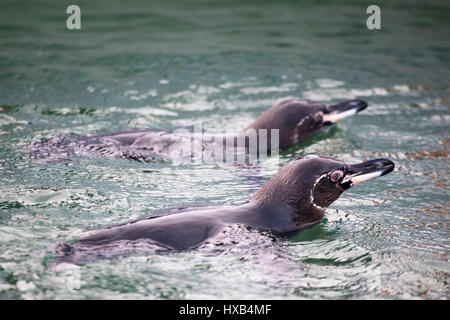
337 112
360 172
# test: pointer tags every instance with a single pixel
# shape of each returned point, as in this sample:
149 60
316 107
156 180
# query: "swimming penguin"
294 199
295 120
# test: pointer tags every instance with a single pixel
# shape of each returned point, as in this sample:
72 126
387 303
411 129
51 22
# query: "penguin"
295 120
294 199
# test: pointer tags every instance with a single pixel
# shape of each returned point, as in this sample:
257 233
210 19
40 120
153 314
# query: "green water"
164 64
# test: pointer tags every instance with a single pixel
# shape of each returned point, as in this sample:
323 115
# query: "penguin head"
310 184
297 120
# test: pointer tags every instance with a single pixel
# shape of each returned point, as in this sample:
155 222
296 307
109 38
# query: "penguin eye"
318 116
336 175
